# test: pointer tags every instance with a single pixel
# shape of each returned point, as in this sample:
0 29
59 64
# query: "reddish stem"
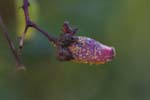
30 23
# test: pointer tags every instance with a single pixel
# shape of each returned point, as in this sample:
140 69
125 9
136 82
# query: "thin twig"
30 23
12 47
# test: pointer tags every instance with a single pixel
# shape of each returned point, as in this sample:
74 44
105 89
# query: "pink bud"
87 50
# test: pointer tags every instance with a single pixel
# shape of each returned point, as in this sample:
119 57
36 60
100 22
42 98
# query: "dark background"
124 24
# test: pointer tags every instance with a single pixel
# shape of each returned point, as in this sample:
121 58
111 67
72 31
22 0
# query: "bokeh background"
124 24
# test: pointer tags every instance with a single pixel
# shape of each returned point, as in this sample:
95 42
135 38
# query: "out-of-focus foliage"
121 23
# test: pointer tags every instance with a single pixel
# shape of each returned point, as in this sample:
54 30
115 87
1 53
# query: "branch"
31 24
12 47
68 46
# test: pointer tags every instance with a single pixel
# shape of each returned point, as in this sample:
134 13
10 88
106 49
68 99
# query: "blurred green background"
124 24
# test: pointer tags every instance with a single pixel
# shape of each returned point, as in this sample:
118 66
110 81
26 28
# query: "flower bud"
87 50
